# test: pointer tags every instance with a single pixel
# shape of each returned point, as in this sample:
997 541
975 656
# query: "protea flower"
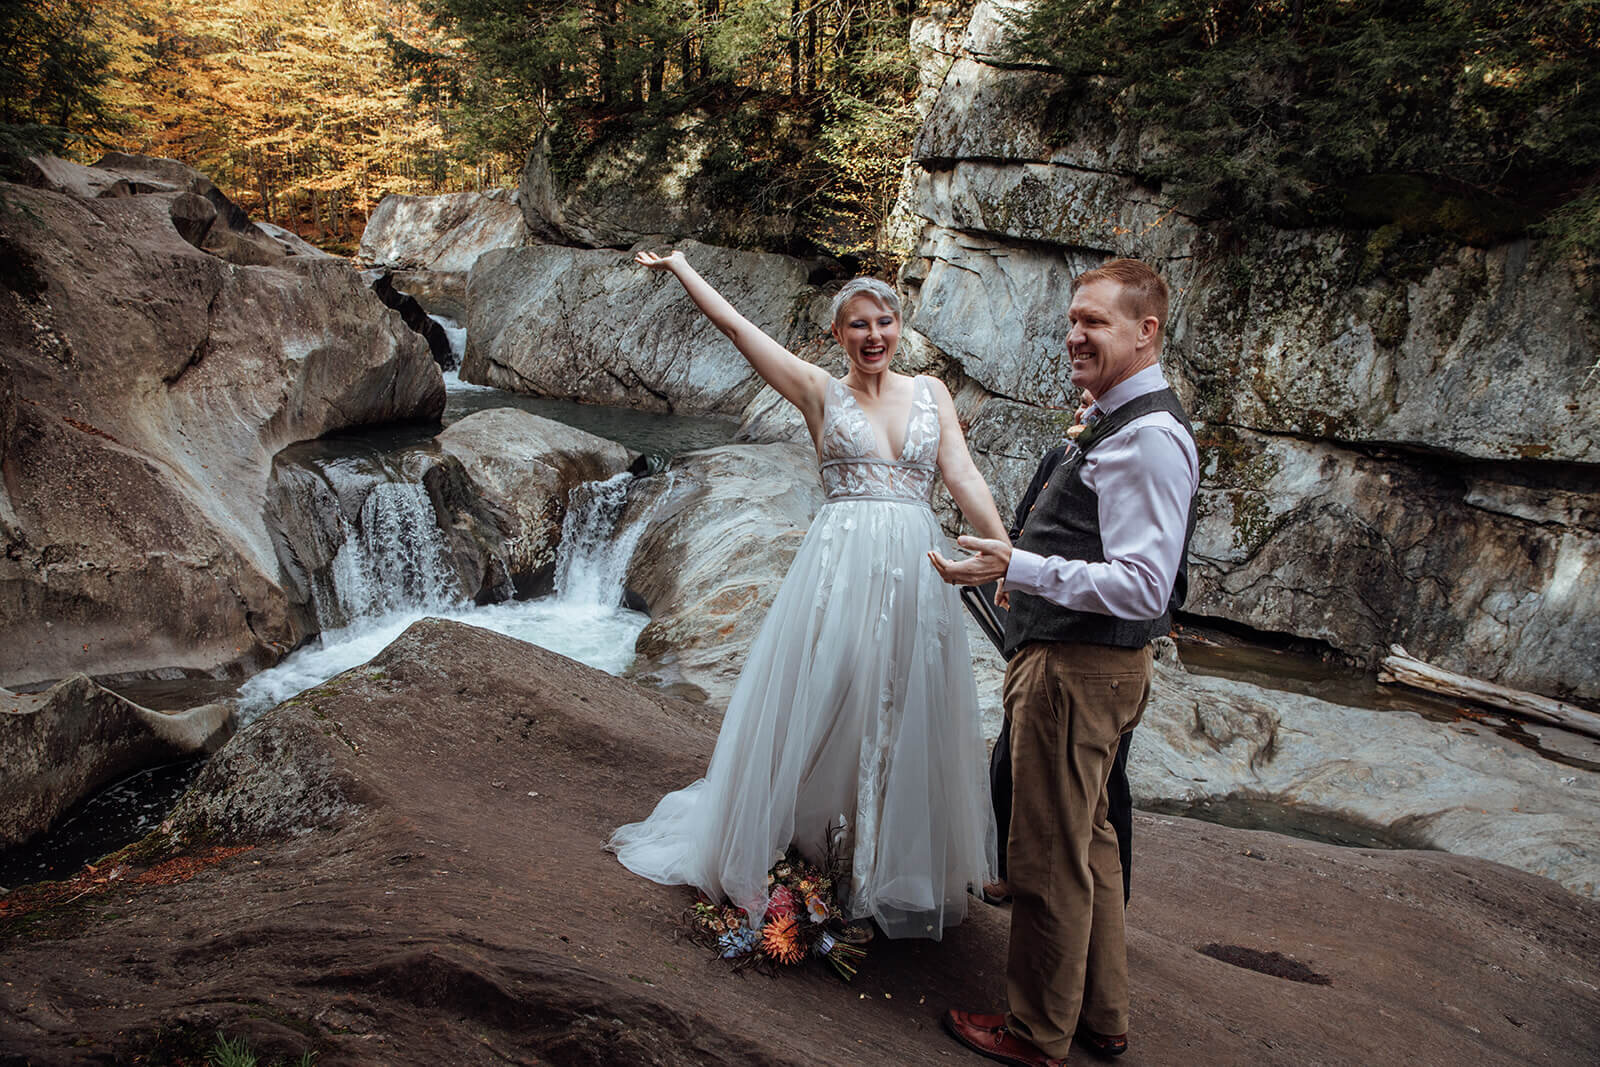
781 903
780 939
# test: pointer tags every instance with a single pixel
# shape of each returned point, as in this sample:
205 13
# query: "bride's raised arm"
797 381
967 487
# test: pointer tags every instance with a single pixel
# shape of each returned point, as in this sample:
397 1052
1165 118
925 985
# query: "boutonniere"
1074 430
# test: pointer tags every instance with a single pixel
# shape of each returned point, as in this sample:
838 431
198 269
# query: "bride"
856 705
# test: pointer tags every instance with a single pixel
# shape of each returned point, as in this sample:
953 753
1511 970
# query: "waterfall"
592 562
360 535
394 558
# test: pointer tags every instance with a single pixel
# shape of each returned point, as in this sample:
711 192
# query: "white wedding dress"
856 702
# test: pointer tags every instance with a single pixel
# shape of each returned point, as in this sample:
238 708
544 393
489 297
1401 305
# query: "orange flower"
780 939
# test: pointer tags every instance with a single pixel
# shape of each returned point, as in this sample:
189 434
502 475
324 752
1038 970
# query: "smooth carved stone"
60 746
153 384
1389 776
441 233
725 524
591 325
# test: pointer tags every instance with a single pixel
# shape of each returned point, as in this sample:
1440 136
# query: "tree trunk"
794 47
811 50
1400 667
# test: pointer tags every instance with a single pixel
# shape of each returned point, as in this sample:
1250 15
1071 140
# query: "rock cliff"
1392 451
145 385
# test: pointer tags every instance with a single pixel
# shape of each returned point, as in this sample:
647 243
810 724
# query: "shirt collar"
1149 380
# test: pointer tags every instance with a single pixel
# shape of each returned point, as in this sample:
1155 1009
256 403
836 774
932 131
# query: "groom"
1094 577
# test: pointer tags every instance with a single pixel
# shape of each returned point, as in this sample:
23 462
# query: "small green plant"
236 1052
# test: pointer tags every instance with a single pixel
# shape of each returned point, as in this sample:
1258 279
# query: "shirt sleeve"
1145 478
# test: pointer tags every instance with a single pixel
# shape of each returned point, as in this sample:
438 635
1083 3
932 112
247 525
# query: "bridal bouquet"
803 919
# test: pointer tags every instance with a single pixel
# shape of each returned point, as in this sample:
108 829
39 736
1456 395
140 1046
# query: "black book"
979 602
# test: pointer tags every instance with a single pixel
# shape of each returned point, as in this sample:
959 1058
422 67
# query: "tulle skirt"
856 706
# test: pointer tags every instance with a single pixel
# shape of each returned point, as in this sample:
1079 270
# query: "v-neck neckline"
877 441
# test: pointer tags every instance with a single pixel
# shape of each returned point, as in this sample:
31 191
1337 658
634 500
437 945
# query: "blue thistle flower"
740 942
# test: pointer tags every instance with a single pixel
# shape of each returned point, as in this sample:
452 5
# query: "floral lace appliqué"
852 468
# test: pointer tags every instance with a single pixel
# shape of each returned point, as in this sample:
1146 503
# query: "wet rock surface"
428 886
526 466
149 383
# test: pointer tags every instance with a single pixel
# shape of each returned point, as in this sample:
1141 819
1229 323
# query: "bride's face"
868 332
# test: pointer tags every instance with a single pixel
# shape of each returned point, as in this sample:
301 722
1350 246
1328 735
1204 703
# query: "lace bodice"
855 468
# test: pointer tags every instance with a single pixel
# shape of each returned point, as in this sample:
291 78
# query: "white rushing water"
393 569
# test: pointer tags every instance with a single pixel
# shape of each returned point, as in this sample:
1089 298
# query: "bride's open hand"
655 262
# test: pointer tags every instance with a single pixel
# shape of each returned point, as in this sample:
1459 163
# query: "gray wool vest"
1065 522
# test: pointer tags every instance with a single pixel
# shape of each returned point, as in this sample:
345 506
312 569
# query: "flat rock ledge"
404 865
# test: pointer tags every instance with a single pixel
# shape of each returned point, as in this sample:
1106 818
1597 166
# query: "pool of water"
116 816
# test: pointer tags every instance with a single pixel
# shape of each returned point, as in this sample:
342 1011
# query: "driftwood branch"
1405 669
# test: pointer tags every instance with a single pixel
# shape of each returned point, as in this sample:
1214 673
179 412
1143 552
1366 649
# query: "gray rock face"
1392 776
591 325
152 384
1482 355
59 746
1359 552
1385 451
441 233
647 188
525 466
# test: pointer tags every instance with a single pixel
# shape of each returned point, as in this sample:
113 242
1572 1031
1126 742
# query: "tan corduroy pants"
1068 706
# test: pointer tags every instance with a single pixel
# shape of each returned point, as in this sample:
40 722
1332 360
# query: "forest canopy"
1465 120
1474 119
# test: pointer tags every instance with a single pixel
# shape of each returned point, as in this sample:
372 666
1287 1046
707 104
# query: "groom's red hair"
1144 293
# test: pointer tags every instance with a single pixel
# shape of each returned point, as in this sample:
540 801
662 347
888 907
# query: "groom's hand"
988 565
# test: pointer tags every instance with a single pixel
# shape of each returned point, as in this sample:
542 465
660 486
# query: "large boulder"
63 744
441 233
590 325
153 382
372 875
1394 447
527 466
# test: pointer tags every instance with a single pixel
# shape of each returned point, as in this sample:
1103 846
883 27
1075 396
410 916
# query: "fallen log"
1405 669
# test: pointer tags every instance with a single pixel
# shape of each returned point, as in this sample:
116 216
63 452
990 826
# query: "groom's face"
1108 342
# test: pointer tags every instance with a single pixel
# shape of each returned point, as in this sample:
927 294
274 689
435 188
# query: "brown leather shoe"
1103 1045
987 1035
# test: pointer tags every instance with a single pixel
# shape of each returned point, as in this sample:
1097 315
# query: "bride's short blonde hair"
873 287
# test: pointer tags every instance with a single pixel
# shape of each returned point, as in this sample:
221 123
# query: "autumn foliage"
298 108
